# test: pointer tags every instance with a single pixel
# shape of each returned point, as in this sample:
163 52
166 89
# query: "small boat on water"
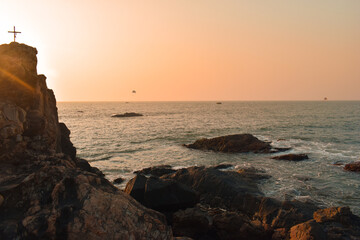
325 99
219 103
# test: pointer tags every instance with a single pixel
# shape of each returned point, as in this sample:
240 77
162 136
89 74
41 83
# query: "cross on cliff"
14 32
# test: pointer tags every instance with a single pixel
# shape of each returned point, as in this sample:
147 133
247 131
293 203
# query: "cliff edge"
45 190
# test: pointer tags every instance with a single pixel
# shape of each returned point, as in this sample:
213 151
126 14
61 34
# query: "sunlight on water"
328 132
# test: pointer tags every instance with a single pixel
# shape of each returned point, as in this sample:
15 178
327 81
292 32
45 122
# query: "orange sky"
192 50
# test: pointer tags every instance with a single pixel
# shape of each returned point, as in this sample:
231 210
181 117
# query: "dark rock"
136 187
118 180
239 143
128 114
223 166
157 171
291 157
353 167
192 222
220 188
168 195
66 145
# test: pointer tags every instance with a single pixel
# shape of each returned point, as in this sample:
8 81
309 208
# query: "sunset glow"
192 50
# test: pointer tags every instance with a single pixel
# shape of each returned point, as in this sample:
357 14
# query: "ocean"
327 131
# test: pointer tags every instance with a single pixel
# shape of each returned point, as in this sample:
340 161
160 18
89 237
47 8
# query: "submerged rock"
238 143
128 114
292 157
353 167
118 180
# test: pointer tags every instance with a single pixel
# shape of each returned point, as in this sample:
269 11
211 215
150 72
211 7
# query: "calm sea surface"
329 132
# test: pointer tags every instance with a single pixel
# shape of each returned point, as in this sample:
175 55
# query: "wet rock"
334 214
353 167
291 157
157 171
223 166
239 143
307 231
118 180
128 114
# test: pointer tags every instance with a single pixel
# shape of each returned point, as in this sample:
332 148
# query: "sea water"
327 131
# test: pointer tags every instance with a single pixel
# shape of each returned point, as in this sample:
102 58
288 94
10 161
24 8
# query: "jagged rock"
238 143
291 157
46 192
334 214
307 231
219 187
353 167
128 114
157 171
118 180
66 145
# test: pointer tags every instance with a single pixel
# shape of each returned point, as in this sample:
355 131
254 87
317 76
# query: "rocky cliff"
45 190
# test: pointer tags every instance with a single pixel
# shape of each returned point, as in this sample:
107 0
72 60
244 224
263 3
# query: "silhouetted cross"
14 32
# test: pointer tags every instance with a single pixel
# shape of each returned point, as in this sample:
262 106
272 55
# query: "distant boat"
325 98
133 91
219 103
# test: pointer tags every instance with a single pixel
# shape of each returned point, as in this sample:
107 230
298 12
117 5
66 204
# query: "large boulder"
52 198
164 195
238 143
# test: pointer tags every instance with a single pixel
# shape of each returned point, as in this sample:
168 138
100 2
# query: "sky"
186 50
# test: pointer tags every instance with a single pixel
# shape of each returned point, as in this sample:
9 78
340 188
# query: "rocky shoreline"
47 192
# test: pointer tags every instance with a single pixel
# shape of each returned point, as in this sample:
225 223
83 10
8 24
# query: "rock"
163 195
136 187
334 214
66 145
168 195
307 231
223 166
157 171
128 114
49 192
239 143
192 222
353 167
291 157
118 180
220 188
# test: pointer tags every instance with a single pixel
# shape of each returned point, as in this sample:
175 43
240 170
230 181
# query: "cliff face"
45 190
28 113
